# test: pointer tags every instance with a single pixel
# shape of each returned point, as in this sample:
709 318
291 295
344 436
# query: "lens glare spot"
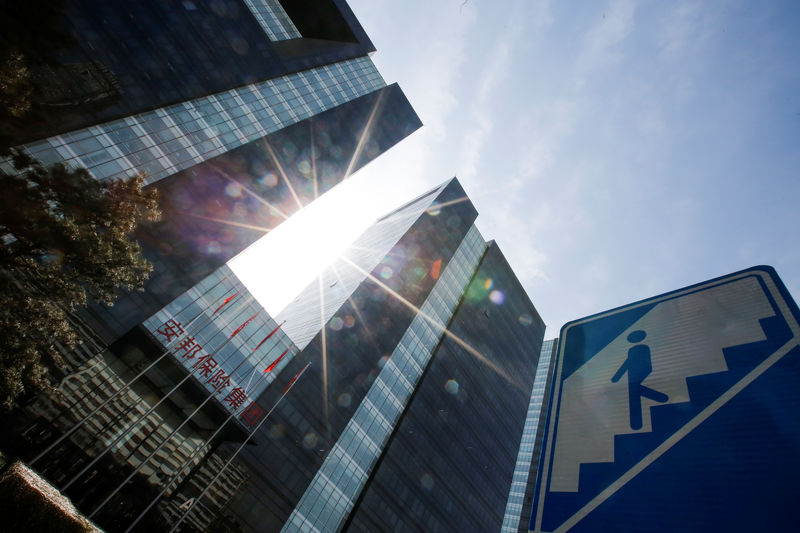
336 323
270 179
451 386
487 284
304 166
426 481
525 319
310 440
344 400
234 190
497 297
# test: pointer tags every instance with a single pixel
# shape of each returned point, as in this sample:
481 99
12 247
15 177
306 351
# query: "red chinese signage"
204 367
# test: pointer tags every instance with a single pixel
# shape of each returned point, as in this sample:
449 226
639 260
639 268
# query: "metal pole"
197 498
144 416
150 456
187 462
112 397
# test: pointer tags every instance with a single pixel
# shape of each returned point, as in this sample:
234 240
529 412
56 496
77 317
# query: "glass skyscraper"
238 111
138 426
520 497
420 348
423 349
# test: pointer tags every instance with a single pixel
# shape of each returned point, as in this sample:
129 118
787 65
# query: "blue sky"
615 150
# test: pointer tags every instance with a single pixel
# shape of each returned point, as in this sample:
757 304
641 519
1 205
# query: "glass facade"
525 472
397 425
164 141
241 118
449 463
338 483
248 113
319 301
408 418
141 422
273 19
226 347
347 356
214 210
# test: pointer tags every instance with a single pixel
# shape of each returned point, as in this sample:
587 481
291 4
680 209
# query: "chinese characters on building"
206 369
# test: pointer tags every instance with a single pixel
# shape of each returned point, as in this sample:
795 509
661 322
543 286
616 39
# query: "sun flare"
287 259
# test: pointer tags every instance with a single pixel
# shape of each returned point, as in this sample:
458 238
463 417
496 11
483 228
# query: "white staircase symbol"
686 336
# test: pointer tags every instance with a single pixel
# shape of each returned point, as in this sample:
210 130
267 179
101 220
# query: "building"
409 415
520 497
422 365
138 425
249 112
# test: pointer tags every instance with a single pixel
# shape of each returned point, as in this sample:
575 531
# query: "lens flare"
497 297
310 440
478 355
452 386
344 400
270 179
234 190
304 167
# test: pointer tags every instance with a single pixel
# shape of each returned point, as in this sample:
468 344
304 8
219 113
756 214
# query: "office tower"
239 111
138 426
409 416
520 497
411 413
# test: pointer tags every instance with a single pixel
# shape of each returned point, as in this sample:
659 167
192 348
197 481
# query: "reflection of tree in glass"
65 238
31 39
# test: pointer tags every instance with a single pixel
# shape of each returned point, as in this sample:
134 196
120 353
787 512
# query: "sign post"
677 413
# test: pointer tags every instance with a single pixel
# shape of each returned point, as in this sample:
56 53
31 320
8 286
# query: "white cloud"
480 125
602 47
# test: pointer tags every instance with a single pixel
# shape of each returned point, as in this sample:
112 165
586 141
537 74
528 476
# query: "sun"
287 259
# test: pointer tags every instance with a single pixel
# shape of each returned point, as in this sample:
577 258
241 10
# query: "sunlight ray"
313 159
353 305
282 173
438 206
324 358
472 351
249 191
228 222
365 133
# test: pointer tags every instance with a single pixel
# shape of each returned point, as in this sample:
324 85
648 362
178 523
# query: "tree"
33 38
66 237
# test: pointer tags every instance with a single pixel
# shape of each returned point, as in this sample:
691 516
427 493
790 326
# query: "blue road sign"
677 413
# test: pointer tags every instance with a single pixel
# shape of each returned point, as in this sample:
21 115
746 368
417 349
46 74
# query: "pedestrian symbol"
638 367
676 413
